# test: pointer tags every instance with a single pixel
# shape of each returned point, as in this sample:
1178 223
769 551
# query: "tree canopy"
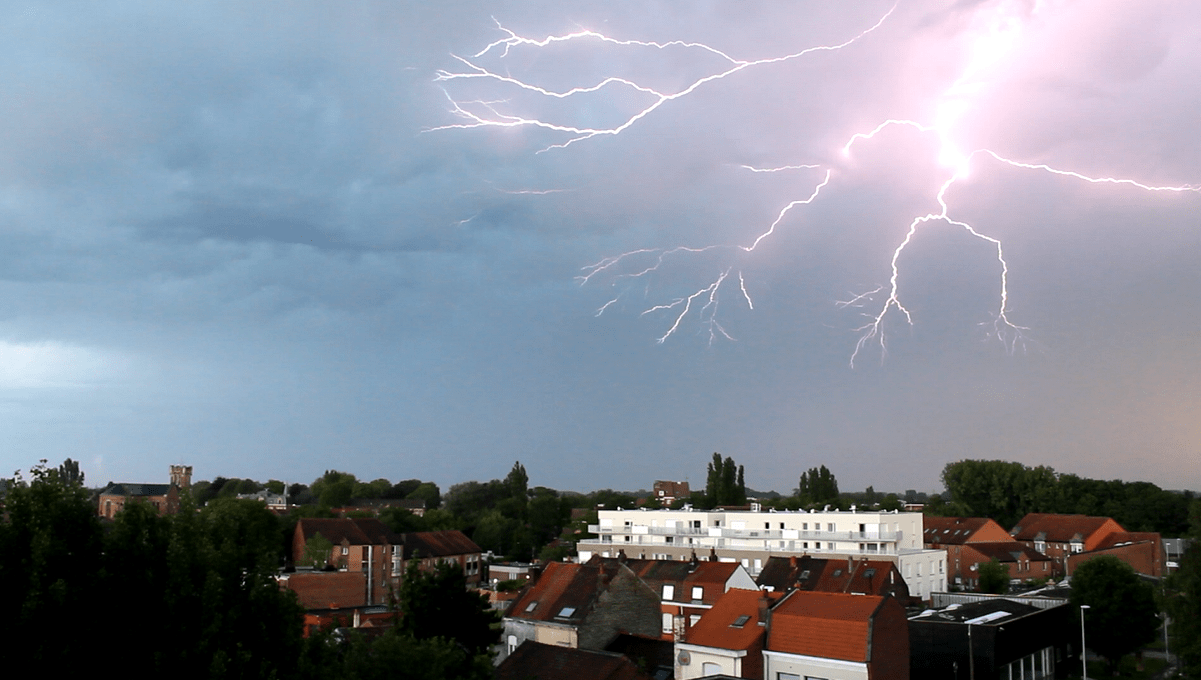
1122 614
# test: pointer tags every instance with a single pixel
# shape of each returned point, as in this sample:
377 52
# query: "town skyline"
249 242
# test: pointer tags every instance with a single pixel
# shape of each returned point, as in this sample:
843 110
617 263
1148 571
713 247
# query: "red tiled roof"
1057 528
438 544
1119 537
551 662
829 625
682 575
716 629
563 585
952 530
871 577
1008 551
353 531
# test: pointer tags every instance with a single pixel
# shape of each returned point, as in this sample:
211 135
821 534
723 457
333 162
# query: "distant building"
1142 550
1058 536
276 502
669 492
751 538
164 498
836 575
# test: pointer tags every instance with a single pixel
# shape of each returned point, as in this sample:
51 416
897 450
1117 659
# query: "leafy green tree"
50 566
993 577
725 483
428 492
334 489
891 502
1122 613
317 551
437 604
817 487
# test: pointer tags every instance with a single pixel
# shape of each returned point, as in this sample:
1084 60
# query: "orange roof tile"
716 627
829 625
1057 528
953 530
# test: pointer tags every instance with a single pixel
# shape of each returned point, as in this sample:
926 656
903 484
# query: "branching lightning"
704 302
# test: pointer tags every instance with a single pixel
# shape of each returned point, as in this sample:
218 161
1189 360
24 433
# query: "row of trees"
1006 491
195 593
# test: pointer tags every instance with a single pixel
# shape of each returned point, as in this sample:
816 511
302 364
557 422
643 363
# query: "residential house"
858 576
994 639
1142 550
581 606
552 662
434 547
164 498
362 545
953 533
377 505
686 589
669 492
837 636
331 590
1022 562
275 502
1058 536
729 639
751 538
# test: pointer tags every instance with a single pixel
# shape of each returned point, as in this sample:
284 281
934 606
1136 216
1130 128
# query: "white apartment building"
752 537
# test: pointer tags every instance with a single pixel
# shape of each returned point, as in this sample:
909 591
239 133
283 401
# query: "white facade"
784 666
752 537
706 661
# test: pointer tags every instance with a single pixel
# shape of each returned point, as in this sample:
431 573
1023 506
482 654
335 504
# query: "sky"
271 239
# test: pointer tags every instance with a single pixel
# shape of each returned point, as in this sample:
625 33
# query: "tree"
1183 604
725 483
817 487
993 577
437 603
1122 615
50 566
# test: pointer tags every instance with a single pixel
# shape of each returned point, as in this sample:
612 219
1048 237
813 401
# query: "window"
511 643
345 550
565 612
787 676
698 592
669 591
667 623
830 527
740 621
709 668
531 606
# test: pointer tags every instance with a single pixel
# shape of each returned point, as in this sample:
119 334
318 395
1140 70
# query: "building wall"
775 663
627 605
727 663
888 644
1145 557
328 589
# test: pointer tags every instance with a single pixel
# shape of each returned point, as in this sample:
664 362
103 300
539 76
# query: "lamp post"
1083 650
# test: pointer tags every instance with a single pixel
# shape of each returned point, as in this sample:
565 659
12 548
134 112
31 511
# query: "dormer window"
698 592
669 591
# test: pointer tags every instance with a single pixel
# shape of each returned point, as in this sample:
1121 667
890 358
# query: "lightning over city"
994 32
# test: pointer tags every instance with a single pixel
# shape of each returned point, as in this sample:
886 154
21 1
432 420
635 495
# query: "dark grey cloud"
231 236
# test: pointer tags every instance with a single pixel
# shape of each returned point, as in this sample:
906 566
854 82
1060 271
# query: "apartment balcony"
762 534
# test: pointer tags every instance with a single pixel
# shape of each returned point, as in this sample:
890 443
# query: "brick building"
366 546
581 606
856 576
1142 550
669 492
729 639
164 498
1058 536
828 635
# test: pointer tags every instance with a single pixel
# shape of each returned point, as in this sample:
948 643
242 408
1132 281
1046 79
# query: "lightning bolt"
999 34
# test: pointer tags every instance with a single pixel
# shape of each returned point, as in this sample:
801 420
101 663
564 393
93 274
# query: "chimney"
713 555
764 609
621 555
792 561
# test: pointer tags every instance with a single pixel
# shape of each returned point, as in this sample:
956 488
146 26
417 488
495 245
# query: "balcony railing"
764 534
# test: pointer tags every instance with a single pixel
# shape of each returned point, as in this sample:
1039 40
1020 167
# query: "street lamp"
1083 651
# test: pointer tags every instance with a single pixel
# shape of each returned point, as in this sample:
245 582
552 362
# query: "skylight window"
531 606
740 621
566 612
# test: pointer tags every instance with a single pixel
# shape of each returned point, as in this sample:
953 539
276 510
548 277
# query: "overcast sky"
269 239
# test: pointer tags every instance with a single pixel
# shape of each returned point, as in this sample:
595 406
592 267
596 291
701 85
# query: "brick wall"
1146 557
328 589
889 643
